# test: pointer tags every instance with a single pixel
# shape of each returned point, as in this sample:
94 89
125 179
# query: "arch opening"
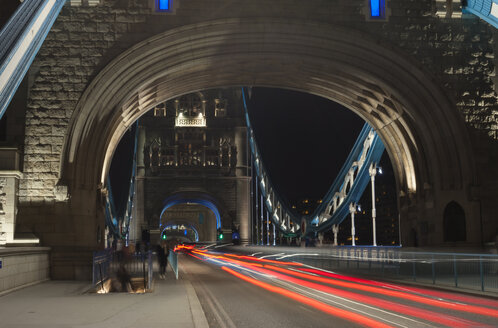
454 225
410 112
182 230
199 201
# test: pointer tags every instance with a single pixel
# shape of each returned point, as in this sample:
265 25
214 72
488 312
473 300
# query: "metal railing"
466 271
107 262
101 266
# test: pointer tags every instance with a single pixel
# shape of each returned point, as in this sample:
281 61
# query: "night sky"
304 140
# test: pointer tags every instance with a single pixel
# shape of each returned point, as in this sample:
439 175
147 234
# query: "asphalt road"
244 291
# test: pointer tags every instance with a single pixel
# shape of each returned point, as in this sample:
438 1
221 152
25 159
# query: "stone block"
38 130
9 282
37 167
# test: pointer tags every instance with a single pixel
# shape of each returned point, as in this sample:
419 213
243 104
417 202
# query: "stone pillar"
243 186
9 189
243 210
138 199
140 151
242 169
9 186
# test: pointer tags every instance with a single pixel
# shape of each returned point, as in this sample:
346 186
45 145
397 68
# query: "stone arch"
421 128
454 223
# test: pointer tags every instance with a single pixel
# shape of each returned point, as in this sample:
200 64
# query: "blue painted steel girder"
20 40
487 10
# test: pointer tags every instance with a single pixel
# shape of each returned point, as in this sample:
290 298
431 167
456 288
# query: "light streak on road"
395 293
427 292
347 315
366 298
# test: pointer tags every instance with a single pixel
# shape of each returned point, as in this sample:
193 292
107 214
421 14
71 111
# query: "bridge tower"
192 155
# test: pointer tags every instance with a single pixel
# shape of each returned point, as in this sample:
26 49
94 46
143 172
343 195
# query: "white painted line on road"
301 254
223 245
221 315
256 253
207 246
271 255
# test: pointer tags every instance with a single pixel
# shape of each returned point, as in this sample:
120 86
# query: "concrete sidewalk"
173 303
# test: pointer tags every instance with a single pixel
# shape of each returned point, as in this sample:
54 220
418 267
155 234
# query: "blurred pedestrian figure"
162 254
124 279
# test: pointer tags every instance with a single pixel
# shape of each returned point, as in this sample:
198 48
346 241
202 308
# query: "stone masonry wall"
23 266
83 40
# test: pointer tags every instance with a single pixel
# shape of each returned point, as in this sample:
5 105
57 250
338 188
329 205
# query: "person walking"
163 254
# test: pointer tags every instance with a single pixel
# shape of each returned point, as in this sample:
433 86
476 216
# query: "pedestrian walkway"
173 303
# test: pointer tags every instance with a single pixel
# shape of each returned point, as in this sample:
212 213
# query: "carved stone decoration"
90 3
448 9
3 195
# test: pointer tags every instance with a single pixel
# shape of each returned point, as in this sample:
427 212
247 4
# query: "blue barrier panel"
173 262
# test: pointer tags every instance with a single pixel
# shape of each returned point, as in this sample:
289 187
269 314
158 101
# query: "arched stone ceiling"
421 128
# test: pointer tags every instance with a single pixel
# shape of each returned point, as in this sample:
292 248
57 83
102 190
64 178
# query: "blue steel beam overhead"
487 10
351 181
131 191
20 40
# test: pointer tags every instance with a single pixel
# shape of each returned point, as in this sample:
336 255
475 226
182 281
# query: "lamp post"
267 228
274 234
257 210
373 172
352 210
262 219
335 230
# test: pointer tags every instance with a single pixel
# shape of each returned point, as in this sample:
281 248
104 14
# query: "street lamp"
267 228
352 210
373 172
335 230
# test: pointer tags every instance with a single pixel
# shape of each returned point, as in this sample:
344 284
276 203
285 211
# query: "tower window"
220 107
163 5
376 10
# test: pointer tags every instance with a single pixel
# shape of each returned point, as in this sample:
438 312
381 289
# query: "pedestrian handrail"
107 262
457 270
101 266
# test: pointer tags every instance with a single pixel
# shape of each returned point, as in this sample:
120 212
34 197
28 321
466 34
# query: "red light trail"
347 315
